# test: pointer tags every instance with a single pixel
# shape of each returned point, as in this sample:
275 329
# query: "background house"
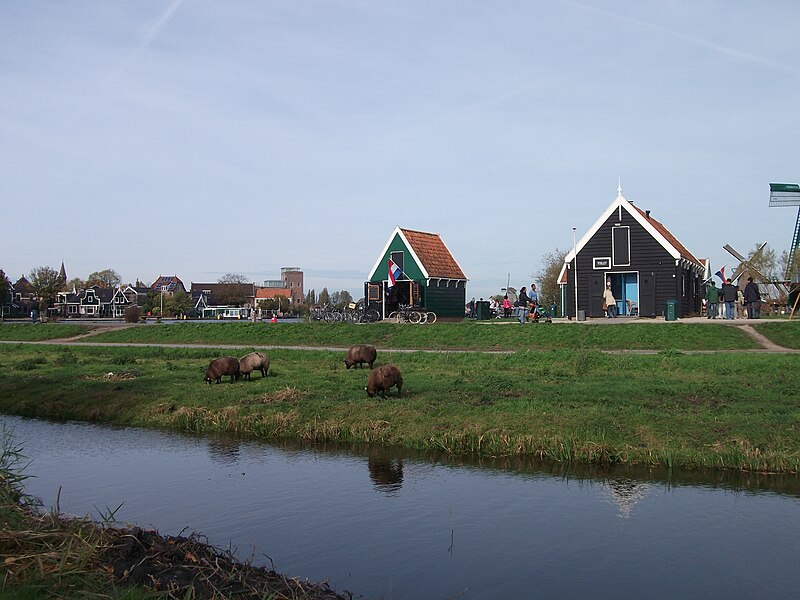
289 286
644 262
430 276
222 300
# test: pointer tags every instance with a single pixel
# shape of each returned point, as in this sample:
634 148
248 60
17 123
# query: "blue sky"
199 137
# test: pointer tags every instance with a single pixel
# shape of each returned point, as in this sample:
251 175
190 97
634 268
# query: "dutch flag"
721 274
394 273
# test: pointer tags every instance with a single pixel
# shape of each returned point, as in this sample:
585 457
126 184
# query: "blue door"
625 287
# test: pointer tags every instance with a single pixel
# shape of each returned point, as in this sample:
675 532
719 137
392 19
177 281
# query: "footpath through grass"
729 410
786 335
491 335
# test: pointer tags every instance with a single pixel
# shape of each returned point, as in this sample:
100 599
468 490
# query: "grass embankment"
783 334
28 332
712 410
489 335
45 555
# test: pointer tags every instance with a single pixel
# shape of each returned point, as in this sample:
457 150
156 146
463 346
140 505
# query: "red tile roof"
433 254
669 237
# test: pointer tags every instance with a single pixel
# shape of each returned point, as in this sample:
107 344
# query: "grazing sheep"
358 355
255 361
382 378
226 365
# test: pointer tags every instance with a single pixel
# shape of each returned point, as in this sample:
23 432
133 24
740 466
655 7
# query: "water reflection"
389 523
386 473
625 493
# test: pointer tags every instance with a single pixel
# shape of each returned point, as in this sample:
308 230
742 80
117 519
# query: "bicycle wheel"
393 316
430 317
414 317
423 318
373 316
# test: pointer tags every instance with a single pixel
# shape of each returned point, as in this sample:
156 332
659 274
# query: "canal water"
400 525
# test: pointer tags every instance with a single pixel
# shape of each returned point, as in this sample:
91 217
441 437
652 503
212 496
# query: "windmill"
787 194
745 264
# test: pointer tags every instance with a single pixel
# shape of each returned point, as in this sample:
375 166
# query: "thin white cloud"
719 48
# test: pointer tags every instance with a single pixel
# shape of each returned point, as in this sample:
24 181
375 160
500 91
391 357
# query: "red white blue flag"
394 273
721 274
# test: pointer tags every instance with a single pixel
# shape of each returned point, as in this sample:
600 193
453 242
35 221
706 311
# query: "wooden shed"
425 275
644 262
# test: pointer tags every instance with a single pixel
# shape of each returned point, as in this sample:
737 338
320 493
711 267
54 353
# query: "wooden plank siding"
647 256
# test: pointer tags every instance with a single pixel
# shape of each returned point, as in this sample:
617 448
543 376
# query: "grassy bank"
489 335
28 332
46 555
720 410
783 334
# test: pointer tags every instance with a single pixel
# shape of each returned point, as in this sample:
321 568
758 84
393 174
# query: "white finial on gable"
619 187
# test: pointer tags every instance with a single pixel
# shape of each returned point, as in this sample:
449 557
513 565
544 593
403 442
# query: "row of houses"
626 249
205 300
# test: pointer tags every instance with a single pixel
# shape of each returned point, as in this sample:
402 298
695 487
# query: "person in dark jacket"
729 296
712 297
752 299
522 303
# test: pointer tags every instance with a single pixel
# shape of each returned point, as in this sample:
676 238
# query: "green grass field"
28 332
726 410
490 335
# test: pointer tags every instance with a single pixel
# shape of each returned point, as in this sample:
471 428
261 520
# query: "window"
621 246
397 258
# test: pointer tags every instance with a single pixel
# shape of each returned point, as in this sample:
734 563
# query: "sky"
198 138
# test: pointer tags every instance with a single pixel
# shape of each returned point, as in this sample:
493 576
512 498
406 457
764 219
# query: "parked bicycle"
409 314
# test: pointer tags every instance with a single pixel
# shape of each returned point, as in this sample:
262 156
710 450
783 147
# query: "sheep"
382 378
255 361
226 365
358 355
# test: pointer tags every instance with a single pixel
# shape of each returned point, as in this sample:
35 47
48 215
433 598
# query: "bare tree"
552 262
233 278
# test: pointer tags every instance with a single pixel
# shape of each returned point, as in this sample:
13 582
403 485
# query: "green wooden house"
425 275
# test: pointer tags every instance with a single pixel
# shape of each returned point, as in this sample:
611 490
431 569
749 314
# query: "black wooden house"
643 261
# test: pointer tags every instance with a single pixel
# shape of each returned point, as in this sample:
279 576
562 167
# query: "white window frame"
614 262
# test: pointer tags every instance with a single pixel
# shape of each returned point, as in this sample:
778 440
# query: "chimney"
647 213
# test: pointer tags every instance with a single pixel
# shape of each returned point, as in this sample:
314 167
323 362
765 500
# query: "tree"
107 278
177 304
76 283
46 284
765 262
341 299
789 268
311 298
324 297
552 262
233 278
4 295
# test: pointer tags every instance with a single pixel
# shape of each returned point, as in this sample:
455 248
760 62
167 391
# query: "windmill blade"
734 253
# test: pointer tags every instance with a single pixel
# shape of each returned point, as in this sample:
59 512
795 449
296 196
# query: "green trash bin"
483 310
671 310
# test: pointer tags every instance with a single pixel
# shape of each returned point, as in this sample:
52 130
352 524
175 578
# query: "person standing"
506 306
752 298
729 295
610 301
472 308
522 304
712 297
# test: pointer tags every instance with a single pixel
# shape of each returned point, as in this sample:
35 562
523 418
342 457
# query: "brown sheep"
358 355
255 361
226 365
383 378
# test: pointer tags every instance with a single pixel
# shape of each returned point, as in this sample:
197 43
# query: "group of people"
527 304
726 301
